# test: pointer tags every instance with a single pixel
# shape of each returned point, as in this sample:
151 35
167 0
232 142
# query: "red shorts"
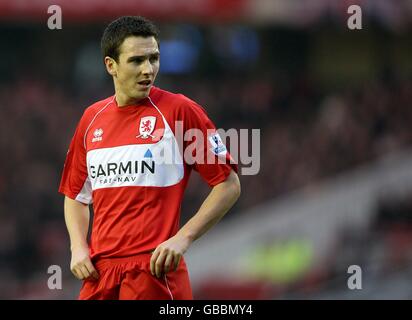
130 279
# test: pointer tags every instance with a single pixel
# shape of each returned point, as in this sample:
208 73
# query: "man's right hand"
81 265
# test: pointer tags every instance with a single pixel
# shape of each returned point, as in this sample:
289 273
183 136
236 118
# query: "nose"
147 68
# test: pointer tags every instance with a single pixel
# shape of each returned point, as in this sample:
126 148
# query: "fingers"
159 263
77 274
84 270
176 262
168 262
91 269
175 257
153 259
163 260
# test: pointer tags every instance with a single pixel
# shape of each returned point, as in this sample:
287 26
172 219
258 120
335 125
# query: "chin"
141 95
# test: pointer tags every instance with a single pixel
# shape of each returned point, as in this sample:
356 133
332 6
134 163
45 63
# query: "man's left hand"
167 252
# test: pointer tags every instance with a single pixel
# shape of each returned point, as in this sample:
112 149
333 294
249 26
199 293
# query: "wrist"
79 246
187 236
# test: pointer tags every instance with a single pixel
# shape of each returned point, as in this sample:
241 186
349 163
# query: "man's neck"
123 100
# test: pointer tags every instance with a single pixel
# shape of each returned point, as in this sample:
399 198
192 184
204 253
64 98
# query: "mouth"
145 83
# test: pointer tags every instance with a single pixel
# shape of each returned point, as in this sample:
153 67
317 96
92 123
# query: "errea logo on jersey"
97 135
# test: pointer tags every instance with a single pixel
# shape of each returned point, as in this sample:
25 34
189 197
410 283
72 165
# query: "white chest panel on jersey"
145 165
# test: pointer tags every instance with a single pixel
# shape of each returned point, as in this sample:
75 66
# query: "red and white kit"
116 160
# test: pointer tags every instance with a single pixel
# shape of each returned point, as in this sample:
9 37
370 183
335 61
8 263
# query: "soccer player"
115 163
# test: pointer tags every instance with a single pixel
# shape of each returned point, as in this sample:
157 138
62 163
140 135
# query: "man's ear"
111 66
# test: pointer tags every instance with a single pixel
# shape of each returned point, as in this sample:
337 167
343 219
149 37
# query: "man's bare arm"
77 217
222 197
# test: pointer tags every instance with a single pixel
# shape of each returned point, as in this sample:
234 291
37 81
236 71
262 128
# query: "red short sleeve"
211 147
74 182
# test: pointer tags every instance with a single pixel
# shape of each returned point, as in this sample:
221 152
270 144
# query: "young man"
114 162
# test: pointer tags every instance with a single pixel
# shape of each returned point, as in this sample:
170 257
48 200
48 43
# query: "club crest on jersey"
146 127
218 148
97 134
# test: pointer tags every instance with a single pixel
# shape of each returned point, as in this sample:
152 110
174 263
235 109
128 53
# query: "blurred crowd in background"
325 99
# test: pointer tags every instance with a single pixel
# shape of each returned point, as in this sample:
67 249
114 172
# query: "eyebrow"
132 58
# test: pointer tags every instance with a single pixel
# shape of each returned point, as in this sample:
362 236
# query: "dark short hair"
118 30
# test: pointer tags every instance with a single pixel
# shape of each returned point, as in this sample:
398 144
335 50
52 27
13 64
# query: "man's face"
137 67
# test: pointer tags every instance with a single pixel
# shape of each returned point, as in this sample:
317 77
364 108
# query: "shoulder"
93 110
97 107
180 103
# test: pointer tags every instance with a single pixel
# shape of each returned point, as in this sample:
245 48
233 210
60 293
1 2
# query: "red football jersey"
129 163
